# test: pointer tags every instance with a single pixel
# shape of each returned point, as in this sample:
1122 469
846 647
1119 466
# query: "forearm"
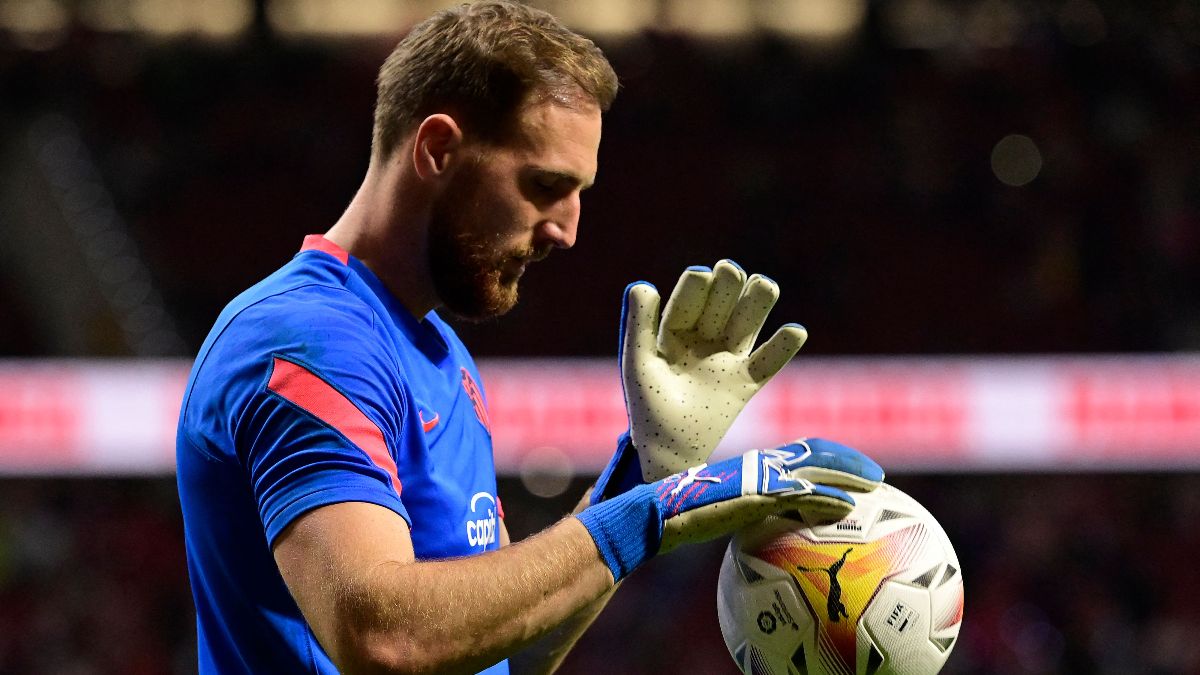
465 614
547 654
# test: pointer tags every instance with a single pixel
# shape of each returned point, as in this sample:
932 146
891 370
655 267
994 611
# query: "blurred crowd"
1065 575
93 578
871 178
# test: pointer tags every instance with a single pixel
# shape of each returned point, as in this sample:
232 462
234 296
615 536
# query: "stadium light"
34 24
42 24
218 19
710 18
812 20
213 18
614 18
362 18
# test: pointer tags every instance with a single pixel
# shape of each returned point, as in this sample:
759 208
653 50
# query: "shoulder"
310 291
304 309
302 316
310 323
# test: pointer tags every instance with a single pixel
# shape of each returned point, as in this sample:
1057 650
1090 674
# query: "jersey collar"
318 242
424 332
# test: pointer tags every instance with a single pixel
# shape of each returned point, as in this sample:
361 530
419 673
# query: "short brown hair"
482 61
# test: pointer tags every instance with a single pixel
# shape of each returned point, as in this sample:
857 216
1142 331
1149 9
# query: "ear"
436 145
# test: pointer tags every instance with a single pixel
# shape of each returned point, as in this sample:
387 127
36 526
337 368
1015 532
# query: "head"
502 105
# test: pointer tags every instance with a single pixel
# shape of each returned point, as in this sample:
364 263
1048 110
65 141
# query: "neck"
384 227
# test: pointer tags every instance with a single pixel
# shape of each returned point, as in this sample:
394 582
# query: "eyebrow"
567 176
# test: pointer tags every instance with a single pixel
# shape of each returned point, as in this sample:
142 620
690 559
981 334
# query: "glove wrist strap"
627 529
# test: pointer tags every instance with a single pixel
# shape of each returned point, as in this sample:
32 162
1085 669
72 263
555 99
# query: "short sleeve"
327 409
317 448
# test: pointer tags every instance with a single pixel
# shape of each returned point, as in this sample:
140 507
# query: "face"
506 206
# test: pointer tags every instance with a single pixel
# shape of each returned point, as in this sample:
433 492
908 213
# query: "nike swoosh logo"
428 426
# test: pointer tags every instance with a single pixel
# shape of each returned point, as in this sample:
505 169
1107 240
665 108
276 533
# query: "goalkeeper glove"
687 377
706 502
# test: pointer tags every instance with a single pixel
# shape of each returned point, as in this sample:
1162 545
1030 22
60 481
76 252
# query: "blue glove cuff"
623 473
627 529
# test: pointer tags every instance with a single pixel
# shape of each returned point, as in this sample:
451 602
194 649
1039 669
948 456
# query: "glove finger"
825 504
758 297
728 281
774 354
687 300
828 492
832 463
639 325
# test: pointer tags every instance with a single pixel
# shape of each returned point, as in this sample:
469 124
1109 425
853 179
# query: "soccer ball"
879 592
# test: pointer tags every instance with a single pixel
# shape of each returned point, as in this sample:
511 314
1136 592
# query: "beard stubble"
472 275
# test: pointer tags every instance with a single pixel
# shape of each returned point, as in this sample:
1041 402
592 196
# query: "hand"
705 502
687 377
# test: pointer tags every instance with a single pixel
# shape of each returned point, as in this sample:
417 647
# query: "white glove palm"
688 376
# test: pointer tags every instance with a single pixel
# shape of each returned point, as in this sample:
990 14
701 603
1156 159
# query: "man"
334 450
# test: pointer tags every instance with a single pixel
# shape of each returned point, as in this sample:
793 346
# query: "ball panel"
773 624
899 624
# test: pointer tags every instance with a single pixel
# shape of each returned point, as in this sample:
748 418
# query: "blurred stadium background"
987 212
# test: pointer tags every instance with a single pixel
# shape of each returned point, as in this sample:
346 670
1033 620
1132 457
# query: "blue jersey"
316 386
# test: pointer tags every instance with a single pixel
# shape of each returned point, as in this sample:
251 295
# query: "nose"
560 228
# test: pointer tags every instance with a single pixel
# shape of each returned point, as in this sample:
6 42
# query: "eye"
549 186
546 186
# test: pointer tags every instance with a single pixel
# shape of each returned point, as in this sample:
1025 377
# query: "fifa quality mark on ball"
900 617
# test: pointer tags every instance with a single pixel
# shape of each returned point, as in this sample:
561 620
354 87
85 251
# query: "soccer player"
334 449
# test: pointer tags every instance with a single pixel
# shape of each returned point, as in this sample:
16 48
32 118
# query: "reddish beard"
469 275
473 276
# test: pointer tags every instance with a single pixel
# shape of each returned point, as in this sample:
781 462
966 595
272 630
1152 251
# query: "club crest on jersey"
481 521
476 397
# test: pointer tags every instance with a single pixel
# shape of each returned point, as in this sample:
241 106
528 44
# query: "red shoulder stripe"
308 391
